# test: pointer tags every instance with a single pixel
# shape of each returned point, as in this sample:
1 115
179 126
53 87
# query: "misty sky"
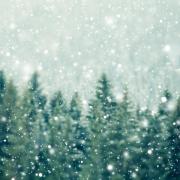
71 42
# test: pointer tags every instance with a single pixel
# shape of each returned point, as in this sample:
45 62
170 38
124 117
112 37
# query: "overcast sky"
71 42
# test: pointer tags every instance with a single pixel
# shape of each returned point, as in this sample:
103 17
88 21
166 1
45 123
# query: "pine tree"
59 129
58 104
10 108
164 116
174 145
51 141
93 169
32 162
101 112
126 135
75 107
5 118
149 159
78 150
165 112
37 125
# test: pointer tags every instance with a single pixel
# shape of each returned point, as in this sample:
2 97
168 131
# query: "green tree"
58 104
174 145
4 124
7 115
59 128
164 116
124 137
101 114
31 153
149 160
78 151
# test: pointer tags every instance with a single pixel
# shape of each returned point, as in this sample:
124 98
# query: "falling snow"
89 89
110 167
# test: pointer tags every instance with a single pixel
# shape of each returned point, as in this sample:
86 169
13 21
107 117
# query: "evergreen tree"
126 135
101 112
149 159
165 112
78 150
51 141
174 145
59 129
10 108
36 125
58 104
164 116
5 118
75 107
93 169
32 132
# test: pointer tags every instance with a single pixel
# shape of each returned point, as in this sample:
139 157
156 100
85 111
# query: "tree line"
52 139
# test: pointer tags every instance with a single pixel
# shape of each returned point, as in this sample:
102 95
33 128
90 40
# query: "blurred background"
70 43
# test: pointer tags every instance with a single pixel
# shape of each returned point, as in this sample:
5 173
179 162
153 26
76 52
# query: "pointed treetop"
75 107
103 90
167 94
177 110
34 83
58 103
2 81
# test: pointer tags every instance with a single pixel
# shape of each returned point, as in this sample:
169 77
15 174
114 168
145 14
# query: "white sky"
71 42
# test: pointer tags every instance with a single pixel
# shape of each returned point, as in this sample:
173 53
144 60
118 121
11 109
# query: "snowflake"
134 175
145 123
150 151
126 154
3 119
51 151
40 174
163 99
110 167
109 20
167 48
56 118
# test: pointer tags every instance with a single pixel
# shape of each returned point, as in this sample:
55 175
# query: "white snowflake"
126 154
110 167
167 48
150 151
145 123
40 174
163 99
109 20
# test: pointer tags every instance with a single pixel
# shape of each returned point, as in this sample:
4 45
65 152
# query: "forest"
52 139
